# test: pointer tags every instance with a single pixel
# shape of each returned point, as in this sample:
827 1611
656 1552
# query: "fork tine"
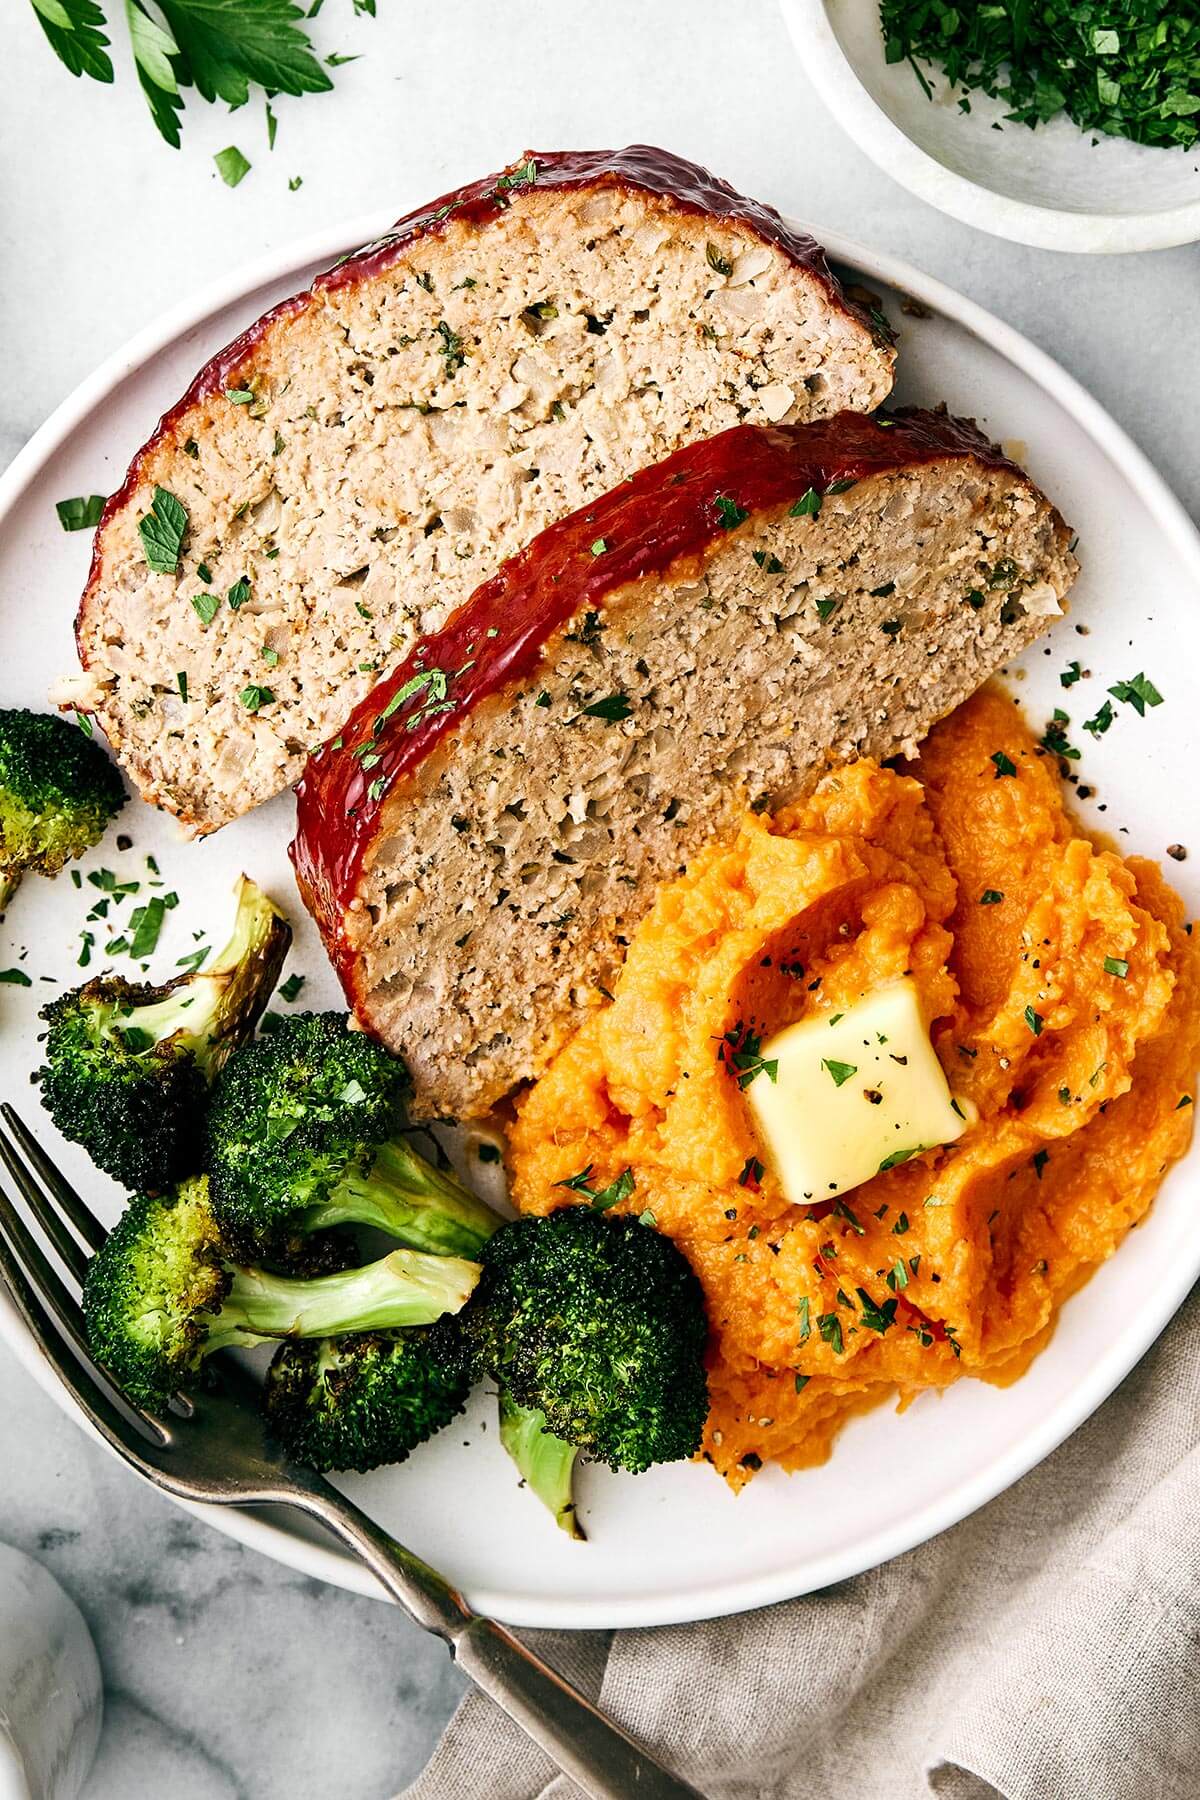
44 1211
80 1214
53 1295
76 1377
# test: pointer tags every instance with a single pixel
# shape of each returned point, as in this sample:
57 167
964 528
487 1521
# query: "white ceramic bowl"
1051 187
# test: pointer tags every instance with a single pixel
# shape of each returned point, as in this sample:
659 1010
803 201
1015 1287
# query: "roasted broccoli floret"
546 1463
304 1132
128 1065
58 792
355 1402
596 1321
164 1292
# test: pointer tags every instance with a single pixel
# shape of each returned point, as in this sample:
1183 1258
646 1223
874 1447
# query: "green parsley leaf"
162 531
1071 674
289 990
15 977
206 607
729 514
1004 764
599 547
239 593
145 923
805 1325
232 166
1100 723
808 505
830 1328
716 261
1138 693
80 514
253 697
182 685
990 897
877 1318
802 1382
75 30
613 709
1034 1021
840 1072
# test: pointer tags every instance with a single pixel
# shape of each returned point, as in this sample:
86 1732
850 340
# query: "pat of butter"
854 1093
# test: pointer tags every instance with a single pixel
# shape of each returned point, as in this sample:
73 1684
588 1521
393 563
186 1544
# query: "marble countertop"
228 1677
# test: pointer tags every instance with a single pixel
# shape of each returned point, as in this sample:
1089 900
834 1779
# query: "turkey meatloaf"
350 468
479 840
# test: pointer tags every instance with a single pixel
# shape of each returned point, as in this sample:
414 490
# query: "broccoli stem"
546 1462
209 1012
400 1193
405 1288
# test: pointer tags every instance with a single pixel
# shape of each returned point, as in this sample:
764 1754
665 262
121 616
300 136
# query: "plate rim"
957 196
735 1595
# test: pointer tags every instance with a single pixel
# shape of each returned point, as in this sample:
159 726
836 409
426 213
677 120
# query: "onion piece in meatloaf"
355 464
479 840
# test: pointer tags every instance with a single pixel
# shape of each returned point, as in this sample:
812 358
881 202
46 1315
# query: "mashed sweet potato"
1082 1075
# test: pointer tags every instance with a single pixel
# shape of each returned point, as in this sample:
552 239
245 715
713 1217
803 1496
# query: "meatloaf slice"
359 460
481 837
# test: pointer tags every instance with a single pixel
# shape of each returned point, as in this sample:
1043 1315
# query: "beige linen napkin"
1046 1649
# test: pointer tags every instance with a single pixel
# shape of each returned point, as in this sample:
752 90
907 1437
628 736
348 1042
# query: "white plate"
673 1544
1050 187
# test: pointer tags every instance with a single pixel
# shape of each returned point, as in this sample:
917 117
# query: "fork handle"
598 1756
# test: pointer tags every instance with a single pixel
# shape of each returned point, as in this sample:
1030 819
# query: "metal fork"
216 1450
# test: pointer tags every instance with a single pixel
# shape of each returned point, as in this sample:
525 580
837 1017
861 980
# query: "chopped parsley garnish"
740 1050
1129 71
162 530
1004 765
901 1225
802 1315
253 697
771 564
1034 1021
830 1328
752 1172
1054 738
824 608
895 1159
239 593
81 513
204 572
802 1382
206 607
1071 674
599 547
1116 965
1101 720
453 354
525 175
289 990
715 260
729 514
600 1199
839 1072
15 977
145 923
1039 1159
232 166
241 396
990 897
808 505
613 709
1138 692
877 1318
182 684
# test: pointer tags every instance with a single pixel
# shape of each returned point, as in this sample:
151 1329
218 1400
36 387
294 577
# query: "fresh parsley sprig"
220 47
